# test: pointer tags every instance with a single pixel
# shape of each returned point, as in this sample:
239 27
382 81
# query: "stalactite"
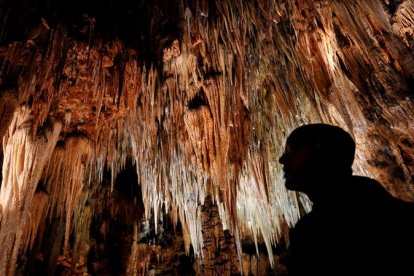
24 159
403 21
36 218
65 178
82 224
8 104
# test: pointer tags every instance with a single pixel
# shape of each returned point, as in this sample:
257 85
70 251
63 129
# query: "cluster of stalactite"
206 117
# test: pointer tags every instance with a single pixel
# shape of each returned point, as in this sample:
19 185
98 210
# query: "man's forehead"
290 147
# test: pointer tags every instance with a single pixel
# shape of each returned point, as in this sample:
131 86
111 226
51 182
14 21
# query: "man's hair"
332 146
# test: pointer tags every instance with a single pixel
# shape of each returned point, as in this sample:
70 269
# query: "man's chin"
292 185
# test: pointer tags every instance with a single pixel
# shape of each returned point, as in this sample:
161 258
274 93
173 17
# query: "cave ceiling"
198 97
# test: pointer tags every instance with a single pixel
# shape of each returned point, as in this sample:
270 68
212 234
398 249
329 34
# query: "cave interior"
142 137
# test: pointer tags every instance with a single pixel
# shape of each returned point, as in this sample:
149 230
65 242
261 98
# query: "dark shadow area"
112 231
141 24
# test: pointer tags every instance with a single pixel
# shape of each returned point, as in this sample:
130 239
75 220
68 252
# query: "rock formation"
151 130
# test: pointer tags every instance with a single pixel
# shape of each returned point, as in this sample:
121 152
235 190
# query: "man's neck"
329 189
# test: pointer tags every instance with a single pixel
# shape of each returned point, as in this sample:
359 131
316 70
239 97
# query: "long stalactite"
24 159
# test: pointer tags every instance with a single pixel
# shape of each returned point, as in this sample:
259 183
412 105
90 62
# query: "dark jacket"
356 228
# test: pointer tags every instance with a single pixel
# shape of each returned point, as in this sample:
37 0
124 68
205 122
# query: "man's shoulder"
369 187
364 180
372 192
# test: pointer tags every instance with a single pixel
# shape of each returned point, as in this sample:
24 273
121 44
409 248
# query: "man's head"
314 154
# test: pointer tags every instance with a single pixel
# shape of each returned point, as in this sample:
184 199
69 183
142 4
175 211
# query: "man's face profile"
297 167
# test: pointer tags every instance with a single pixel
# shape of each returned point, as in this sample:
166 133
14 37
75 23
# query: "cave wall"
199 96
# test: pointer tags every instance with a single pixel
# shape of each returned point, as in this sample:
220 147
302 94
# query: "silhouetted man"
355 227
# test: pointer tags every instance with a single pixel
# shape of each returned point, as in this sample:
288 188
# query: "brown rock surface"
199 96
